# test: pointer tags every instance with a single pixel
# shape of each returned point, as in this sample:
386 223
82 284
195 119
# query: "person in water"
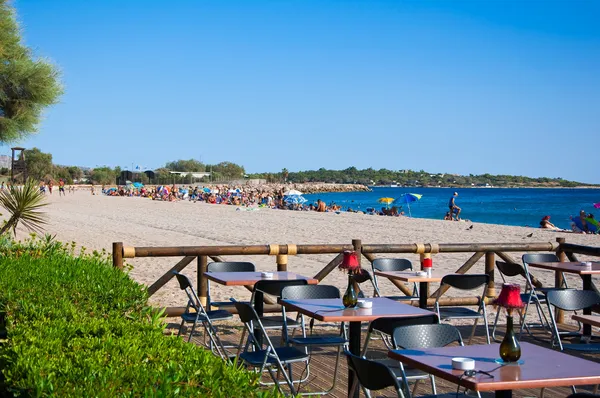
454 209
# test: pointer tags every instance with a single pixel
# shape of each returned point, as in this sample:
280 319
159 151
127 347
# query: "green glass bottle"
350 298
510 350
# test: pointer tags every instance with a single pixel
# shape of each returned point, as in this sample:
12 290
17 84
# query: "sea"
505 206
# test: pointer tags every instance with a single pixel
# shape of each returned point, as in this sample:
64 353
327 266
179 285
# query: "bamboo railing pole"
558 277
464 268
490 264
588 250
202 281
160 282
333 264
117 248
217 259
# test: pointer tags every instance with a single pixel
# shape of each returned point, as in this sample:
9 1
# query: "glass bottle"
350 298
510 350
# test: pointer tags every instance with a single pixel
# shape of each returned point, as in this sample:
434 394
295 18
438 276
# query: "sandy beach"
96 221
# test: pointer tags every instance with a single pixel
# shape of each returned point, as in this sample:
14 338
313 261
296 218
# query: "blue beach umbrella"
294 199
206 190
408 198
138 185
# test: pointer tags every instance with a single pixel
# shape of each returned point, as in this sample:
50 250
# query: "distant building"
194 174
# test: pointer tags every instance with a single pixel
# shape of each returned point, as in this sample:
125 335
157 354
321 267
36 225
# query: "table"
574 268
249 279
593 320
541 367
412 277
332 310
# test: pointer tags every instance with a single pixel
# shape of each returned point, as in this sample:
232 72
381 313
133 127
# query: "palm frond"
24 203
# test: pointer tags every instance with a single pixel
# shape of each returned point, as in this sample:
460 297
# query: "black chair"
274 288
226 266
542 258
390 265
310 341
465 282
423 336
200 315
262 354
529 296
372 375
362 277
571 300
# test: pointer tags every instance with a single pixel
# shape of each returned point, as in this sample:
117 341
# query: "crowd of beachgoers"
245 197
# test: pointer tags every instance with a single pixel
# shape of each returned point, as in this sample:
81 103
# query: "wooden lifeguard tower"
18 169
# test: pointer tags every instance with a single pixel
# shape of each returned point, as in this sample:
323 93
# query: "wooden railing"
488 251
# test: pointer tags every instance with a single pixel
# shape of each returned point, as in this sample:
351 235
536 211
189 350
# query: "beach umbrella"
597 205
387 201
294 199
138 185
206 190
292 192
408 198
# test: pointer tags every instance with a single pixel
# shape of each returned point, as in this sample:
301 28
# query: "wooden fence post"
558 277
117 248
490 263
282 260
202 281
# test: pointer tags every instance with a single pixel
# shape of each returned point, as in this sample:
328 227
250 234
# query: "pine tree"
27 84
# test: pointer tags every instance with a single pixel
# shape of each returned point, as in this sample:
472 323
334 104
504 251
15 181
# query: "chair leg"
181 327
487 326
495 325
192 332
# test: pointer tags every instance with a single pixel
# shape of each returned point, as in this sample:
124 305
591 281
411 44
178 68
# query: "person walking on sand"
61 187
453 207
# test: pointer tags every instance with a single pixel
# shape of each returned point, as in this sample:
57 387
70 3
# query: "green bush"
78 327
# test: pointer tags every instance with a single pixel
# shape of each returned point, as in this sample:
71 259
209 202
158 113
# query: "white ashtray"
421 273
365 304
463 363
266 275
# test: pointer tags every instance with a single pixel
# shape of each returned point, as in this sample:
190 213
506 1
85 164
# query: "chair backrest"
539 258
274 287
466 281
372 375
392 264
572 300
186 285
510 269
425 336
245 312
387 325
310 292
231 266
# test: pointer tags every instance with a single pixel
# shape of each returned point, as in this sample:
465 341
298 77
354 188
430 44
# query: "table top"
332 310
250 278
541 367
570 267
593 320
408 276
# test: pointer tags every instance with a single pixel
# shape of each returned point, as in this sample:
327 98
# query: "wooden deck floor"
323 361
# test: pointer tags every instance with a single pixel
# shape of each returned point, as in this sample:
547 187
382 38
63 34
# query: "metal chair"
571 300
226 266
394 264
423 336
262 354
274 288
543 258
372 375
310 341
365 276
465 282
529 296
200 315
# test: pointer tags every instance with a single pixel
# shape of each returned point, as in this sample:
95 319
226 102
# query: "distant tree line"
40 167
421 178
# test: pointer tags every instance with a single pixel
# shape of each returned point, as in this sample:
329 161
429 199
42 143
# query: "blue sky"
501 87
